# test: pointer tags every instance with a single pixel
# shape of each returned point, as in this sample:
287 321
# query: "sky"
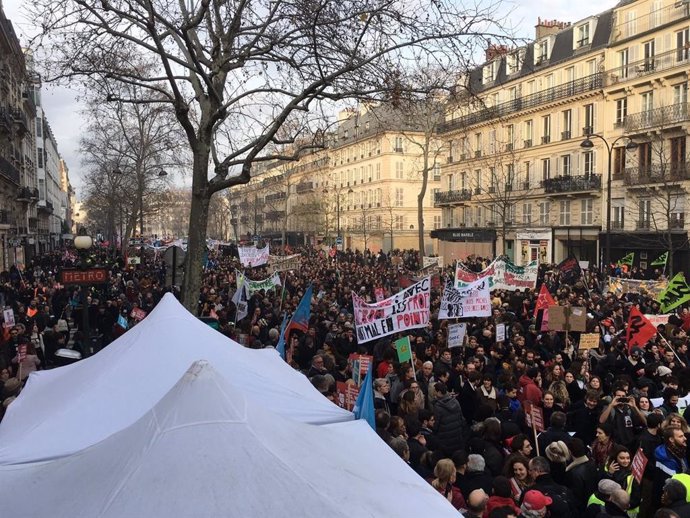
62 109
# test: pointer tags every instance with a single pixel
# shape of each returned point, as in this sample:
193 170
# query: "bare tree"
235 73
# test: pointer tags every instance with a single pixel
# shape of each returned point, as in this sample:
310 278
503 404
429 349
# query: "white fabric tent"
205 450
65 410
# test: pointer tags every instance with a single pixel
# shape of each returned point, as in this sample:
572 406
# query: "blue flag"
364 406
300 318
122 322
281 340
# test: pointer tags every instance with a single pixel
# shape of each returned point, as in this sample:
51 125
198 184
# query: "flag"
122 322
300 318
570 269
628 259
676 294
281 339
640 329
544 300
364 406
660 261
403 348
241 299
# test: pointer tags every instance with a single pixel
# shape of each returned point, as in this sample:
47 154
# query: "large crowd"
458 416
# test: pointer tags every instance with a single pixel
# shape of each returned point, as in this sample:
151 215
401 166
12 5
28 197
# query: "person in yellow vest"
619 469
596 501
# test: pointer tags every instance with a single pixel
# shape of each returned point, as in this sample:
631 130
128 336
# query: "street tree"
235 73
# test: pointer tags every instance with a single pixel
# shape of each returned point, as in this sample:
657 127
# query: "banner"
407 309
676 294
639 463
463 276
8 317
544 300
501 274
473 300
138 314
251 256
241 299
627 259
619 287
277 263
658 320
431 261
456 335
266 284
570 269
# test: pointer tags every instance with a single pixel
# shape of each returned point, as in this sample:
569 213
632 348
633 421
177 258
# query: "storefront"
533 245
458 243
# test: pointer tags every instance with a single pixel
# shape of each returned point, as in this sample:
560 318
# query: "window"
564 215
40 158
478 144
582 35
631 23
546 129
511 177
437 172
514 61
527 213
618 213
399 193
589 119
621 110
399 222
544 213
39 127
647 101
541 52
510 214
680 93
489 72
676 208
645 213
528 175
437 222
618 160
398 170
492 141
545 169
565 165
492 177
567 124
623 63
510 136
463 180
378 172
586 211
648 49
528 133
678 154
398 144
588 160
478 214
682 47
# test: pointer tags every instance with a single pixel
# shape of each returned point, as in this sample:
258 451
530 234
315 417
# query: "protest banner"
456 335
658 320
251 256
511 277
500 333
567 318
277 263
473 300
589 340
347 394
432 261
640 330
619 286
407 309
265 284
463 276
138 314
639 463
21 352
133 260
8 317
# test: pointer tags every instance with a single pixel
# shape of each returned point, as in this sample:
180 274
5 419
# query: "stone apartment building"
523 178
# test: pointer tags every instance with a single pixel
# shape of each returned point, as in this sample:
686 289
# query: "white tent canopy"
206 450
65 410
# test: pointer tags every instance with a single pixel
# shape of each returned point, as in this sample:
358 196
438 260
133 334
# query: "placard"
500 333
589 340
251 256
347 394
363 361
430 261
456 335
138 314
639 463
21 352
279 263
473 300
537 418
8 317
567 318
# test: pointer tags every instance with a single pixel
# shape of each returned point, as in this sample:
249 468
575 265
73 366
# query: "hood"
448 402
526 380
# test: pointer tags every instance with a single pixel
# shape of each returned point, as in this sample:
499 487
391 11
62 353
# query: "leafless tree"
234 74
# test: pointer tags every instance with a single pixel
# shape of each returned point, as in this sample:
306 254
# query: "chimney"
494 51
549 27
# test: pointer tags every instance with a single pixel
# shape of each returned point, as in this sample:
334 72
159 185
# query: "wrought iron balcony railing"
656 173
441 198
564 184
656 118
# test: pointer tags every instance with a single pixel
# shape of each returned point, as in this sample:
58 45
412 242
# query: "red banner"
537 418
21 352
138 314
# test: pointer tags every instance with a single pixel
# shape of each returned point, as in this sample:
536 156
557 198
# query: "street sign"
88 276
339 240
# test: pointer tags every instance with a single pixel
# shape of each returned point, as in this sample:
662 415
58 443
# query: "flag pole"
282 292
671 348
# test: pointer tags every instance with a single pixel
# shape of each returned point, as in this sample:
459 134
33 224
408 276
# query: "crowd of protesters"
456 416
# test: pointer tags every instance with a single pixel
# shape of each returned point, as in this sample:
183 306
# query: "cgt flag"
544 300
640 329
660 261
628 259
676 294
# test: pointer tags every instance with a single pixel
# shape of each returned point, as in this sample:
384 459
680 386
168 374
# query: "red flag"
640 329
544 300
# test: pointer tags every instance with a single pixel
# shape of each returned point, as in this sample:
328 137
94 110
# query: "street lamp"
83 243
588 144
337 208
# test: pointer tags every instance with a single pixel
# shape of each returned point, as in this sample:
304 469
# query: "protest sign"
265 284
500 333
589 340
363 361
463 276
407 309
511 277
347 394
431 261
402 346
473 300
619 286
8 317
639 463
133 260
658 320
537 418
251 256
138 314
456 335
278 263
567 318
21 352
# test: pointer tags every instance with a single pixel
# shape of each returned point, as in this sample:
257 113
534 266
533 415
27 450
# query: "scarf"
677 451
489 395
600 451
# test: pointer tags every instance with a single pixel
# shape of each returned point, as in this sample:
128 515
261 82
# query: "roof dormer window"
489 72
582 35
514 61
541 52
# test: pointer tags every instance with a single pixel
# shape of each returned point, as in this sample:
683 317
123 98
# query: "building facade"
528 165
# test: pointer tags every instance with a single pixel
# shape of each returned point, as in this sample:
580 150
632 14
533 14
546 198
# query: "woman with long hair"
675 421
603 444
517 470
619 469
444 480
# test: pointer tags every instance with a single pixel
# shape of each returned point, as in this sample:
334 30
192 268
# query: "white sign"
284 263
407 309
473 300
252 256
500 333
502 275
432 261
683 402
658 320
584 265
8 317
456 335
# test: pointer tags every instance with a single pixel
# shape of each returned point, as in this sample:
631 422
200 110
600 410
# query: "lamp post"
588 144
83 243
337 208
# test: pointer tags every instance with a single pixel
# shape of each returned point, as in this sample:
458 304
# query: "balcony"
580 86
45 207
8 171
625 29
570 184
644 67
275 215
565 135
304 187
644 224
527 143
450 197
272 180
20 121
663 117
276 196
656 173
546 139
677 221
5 121
617 225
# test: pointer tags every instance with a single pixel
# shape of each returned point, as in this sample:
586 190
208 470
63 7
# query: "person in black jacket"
674 497
583 418
450 426
563 505
581 474
469 399
555 432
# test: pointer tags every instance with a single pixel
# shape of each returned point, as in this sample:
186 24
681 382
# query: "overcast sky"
63 111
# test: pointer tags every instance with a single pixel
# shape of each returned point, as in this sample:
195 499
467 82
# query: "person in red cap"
534 504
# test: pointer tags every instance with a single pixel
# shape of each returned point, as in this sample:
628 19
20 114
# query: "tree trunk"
420 202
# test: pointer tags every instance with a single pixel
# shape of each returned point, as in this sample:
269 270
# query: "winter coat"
563 505
529 391
450 428
581 477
